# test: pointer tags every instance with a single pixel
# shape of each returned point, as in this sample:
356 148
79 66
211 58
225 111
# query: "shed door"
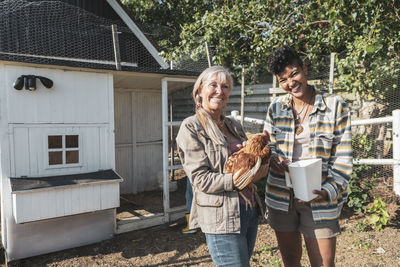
138 140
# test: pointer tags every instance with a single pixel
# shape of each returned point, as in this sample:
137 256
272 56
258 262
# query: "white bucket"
304 176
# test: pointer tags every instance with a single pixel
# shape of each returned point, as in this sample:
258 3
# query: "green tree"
244 32
163 20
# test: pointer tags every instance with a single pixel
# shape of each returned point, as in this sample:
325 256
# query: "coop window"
63 149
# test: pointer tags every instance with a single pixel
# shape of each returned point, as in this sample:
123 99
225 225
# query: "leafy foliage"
244 32
362 146
163 20
360 185
362 227
361 244
358 191
379 215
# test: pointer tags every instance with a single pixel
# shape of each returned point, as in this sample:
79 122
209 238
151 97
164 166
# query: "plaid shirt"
330 140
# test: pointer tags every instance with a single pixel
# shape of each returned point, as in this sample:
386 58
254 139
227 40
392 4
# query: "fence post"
208 54
396 151
274 85
331 73
242 99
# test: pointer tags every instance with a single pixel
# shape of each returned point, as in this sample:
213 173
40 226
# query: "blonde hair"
205 119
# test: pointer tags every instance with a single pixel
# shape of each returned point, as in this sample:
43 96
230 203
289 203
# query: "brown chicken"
255 153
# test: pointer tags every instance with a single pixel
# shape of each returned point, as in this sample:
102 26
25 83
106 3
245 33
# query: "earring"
198 102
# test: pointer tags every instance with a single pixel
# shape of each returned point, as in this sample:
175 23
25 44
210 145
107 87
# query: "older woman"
304 124
205 141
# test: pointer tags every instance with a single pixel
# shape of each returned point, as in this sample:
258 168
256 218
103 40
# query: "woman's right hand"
279 163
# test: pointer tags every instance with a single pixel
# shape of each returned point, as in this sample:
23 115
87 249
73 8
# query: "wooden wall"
30 158
80 103
76 97
44 204
138 139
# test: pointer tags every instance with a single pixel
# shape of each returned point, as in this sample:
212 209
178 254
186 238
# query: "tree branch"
319 21
395 11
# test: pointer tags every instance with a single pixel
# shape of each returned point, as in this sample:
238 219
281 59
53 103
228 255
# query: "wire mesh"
195 61
56 30
369 141
374 141
318 72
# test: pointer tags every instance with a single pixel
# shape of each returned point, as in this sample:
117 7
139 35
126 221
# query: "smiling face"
293 79
215 93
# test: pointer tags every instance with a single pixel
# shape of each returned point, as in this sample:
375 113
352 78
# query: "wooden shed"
83 118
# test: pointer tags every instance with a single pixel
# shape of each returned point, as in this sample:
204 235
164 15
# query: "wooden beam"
117 55
139 34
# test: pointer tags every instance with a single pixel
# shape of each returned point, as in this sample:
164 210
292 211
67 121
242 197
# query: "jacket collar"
233 128
319 102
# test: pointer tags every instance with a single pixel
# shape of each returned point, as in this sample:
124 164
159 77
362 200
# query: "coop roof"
71 180
76 33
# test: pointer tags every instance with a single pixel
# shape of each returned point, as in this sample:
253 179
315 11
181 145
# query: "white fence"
395 161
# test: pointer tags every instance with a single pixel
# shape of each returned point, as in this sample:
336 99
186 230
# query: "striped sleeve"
340 162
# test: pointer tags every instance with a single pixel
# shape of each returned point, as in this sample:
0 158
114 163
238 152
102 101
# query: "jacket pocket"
210 210
323 144
209 200
326 137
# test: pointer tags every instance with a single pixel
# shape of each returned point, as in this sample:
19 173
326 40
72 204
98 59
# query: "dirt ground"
165 245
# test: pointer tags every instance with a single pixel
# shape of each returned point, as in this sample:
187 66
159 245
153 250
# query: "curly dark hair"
281 58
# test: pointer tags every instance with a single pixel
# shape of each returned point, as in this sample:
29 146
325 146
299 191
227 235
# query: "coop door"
138 140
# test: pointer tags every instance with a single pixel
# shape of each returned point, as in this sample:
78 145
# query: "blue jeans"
235 249
188 195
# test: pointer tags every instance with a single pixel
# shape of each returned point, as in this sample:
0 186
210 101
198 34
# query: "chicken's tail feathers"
243 178
237 174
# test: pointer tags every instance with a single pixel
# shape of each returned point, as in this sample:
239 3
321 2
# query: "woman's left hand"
266 138
322 196
242 145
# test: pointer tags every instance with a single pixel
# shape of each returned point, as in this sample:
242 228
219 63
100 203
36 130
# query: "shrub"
360 184
359 189
379 216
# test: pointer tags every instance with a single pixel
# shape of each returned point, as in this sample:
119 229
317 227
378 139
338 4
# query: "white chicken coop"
81 120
